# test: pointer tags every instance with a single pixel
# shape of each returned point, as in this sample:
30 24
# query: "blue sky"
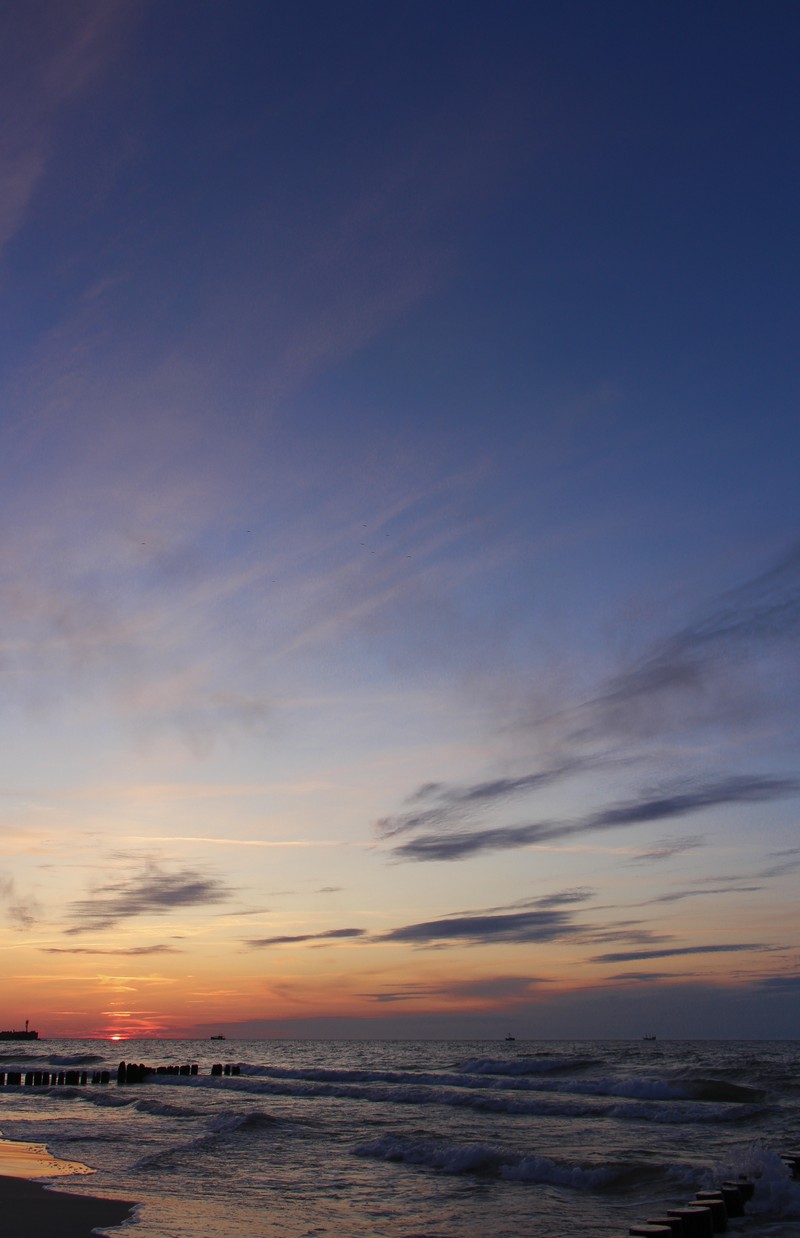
399 541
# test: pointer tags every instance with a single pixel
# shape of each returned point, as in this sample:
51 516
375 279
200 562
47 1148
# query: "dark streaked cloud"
545 918
412 993
708 672
632 955
742 789
646 977
22 912
787 861
678 895
559 898
623 930
504 990
152 891
287 940
524 926
131 952
445 801
667 848
782 984
550 917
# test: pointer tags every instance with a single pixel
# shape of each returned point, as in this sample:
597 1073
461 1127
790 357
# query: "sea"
417 1138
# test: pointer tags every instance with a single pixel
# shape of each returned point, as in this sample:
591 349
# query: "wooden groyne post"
127 1073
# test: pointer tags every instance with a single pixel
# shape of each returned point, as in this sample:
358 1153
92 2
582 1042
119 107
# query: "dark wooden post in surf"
733 1199
719 1213
697 1222
792 1159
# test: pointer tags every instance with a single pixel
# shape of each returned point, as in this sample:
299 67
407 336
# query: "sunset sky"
400 518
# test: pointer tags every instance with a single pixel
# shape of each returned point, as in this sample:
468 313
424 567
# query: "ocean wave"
679 1113
101 1097
73 1059
596 1097
652 1088
488 1081
410 1094
525 1065
161 1109
491 1073
719 1090
484 1158
228 1123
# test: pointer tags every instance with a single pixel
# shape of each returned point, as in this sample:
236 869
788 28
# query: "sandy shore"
30 1210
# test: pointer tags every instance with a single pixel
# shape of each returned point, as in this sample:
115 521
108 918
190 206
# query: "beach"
32 1210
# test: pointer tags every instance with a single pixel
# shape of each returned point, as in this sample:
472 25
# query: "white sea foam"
776 1193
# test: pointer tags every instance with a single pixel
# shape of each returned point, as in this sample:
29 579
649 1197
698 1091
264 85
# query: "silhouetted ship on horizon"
26 1035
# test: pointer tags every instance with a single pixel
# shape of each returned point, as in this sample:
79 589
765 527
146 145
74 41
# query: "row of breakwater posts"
708 1213
133 1072
127 1073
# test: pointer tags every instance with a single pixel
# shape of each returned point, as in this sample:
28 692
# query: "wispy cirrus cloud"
741 789
703 673
50 54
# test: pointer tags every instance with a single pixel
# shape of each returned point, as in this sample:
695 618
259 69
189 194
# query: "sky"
399 520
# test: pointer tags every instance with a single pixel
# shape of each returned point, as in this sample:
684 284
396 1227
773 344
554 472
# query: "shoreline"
30 1206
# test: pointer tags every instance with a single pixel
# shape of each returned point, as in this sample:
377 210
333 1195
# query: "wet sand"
31 1210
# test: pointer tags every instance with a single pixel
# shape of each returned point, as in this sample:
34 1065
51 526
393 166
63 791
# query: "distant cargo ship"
26 1035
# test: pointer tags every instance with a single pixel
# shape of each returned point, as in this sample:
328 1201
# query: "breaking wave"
484 1158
